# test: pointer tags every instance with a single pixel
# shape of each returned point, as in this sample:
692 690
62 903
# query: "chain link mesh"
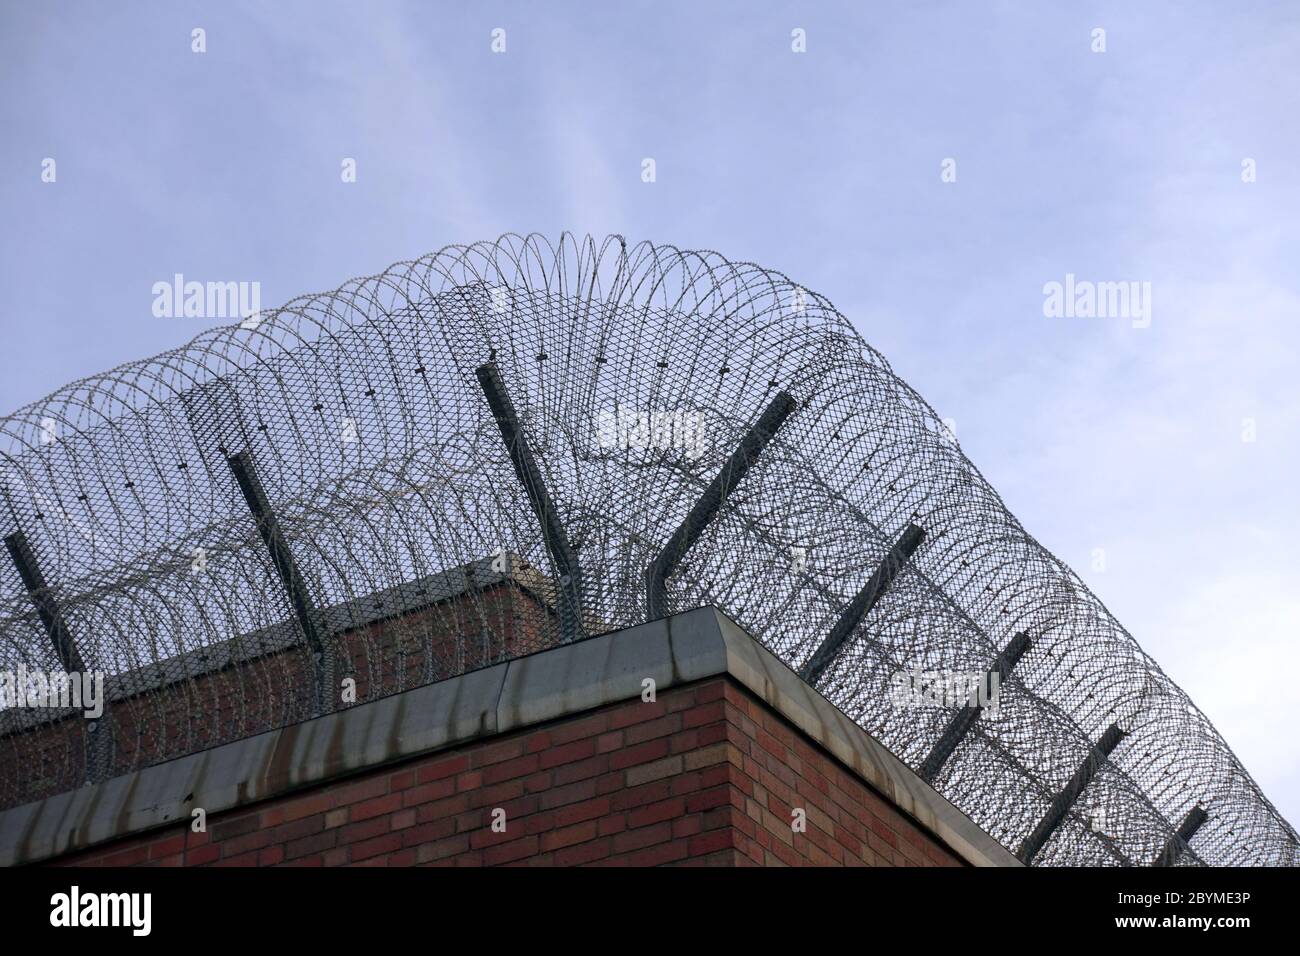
635 371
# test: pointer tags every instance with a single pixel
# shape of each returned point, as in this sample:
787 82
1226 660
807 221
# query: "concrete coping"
548 685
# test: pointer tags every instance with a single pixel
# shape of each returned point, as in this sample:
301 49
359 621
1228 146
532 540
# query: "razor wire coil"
634 371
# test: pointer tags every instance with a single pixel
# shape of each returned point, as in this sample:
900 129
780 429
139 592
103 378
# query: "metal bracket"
966 717
99 733
862 603
706 508
530 476
1179 841
268 526
1069 796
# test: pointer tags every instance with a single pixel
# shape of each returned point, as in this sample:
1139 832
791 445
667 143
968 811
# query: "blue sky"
1117 166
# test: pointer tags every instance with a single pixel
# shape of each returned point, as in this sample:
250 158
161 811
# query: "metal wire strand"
634 371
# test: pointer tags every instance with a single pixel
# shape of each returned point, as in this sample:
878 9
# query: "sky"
928 167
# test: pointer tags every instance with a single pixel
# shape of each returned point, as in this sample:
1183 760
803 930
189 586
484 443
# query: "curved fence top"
401 540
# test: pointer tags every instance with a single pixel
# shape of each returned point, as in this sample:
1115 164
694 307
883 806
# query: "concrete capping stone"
769 679
552 684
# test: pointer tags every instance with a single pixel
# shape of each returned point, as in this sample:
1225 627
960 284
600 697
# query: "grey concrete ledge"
552 684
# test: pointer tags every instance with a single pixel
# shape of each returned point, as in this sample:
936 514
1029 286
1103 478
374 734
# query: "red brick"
639 753
539 822
655 812
272 817
652 729
403 819
301 807
429 792
242 844
613 824
579 833
567 753
704 714
515 850
270 856
375 807
581 770
687 826
497 752
198 856
630 797
576 812
710 842
705 775
577 729
510 769
442 849
497 794
314 860
445 767
646 836
336 856
538 782
311 844
365 830
708 799
655 855
243 859
226 828
380 844
297 829
537 742
636 712
560 795
718 690
361 790
429 832
168 847
583 853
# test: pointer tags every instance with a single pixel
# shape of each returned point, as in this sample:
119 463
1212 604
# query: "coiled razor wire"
634 372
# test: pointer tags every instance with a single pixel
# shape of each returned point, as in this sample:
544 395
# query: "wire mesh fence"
418 554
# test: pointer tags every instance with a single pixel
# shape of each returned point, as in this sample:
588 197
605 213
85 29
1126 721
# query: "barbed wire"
635 371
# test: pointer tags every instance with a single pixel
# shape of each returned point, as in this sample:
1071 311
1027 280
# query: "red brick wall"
706 775
496 623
